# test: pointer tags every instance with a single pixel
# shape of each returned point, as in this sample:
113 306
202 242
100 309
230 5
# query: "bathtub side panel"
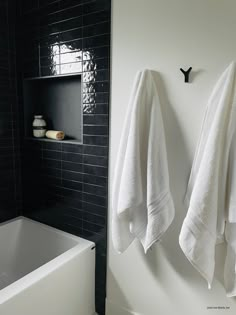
66 290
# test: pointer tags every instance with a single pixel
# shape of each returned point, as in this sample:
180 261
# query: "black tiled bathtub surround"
72 184
64 184
10 172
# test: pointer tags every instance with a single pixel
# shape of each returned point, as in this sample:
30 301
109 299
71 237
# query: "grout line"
94 204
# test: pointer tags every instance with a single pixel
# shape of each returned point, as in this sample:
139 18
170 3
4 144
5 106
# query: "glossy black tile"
95 150
95 160
95 140
73 221
70 229
96 41
96 6
95 120
95 170
96 17
53 155
46 19
94 228
4 107
51 180
94 209
97 219
31 71
96 109
70 202
51 163
10 184
96 180
51 146
102 63
28 5
95 64
95 237
47 61
99 28
50 70
72 185
98 98
89 65
66 37
71 46
49 50
89 98
75 148
31 23
72 157
75 213
31 61
71 57
94 190
46 41
69 166
72 176
89 76
72 34
43 3
95 130
95 87
6 151
71 28
69 193
69 68
71 12
96 76
51 8
70 3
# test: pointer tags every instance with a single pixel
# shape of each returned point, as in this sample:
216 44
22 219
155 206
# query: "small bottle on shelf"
39 126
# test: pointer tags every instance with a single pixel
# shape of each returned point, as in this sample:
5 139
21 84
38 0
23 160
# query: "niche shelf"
58 99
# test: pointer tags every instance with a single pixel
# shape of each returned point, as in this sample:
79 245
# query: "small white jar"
39 126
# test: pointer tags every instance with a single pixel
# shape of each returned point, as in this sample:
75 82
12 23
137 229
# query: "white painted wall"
164 35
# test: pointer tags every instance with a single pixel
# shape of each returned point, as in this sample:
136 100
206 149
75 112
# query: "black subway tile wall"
10 166
65 184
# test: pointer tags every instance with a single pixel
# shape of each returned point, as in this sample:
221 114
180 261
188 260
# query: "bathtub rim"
41 272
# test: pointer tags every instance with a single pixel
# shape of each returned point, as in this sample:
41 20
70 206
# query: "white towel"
210 192
141 200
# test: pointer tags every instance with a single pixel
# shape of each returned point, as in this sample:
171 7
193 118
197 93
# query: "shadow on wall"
119 310
195 74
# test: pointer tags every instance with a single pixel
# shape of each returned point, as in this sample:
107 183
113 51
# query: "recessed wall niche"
58 99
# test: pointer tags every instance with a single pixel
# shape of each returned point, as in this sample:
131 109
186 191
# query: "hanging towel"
141 200
210 194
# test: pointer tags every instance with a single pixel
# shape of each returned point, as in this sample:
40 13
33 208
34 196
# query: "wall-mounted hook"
186 74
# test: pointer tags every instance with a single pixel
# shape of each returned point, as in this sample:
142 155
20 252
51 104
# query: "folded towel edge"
169 207
208 278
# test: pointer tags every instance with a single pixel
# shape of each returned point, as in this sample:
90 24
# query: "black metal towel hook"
186 74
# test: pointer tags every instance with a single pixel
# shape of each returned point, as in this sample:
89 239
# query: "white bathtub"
44 271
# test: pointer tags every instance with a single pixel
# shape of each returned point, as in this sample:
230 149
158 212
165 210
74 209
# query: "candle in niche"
55 135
